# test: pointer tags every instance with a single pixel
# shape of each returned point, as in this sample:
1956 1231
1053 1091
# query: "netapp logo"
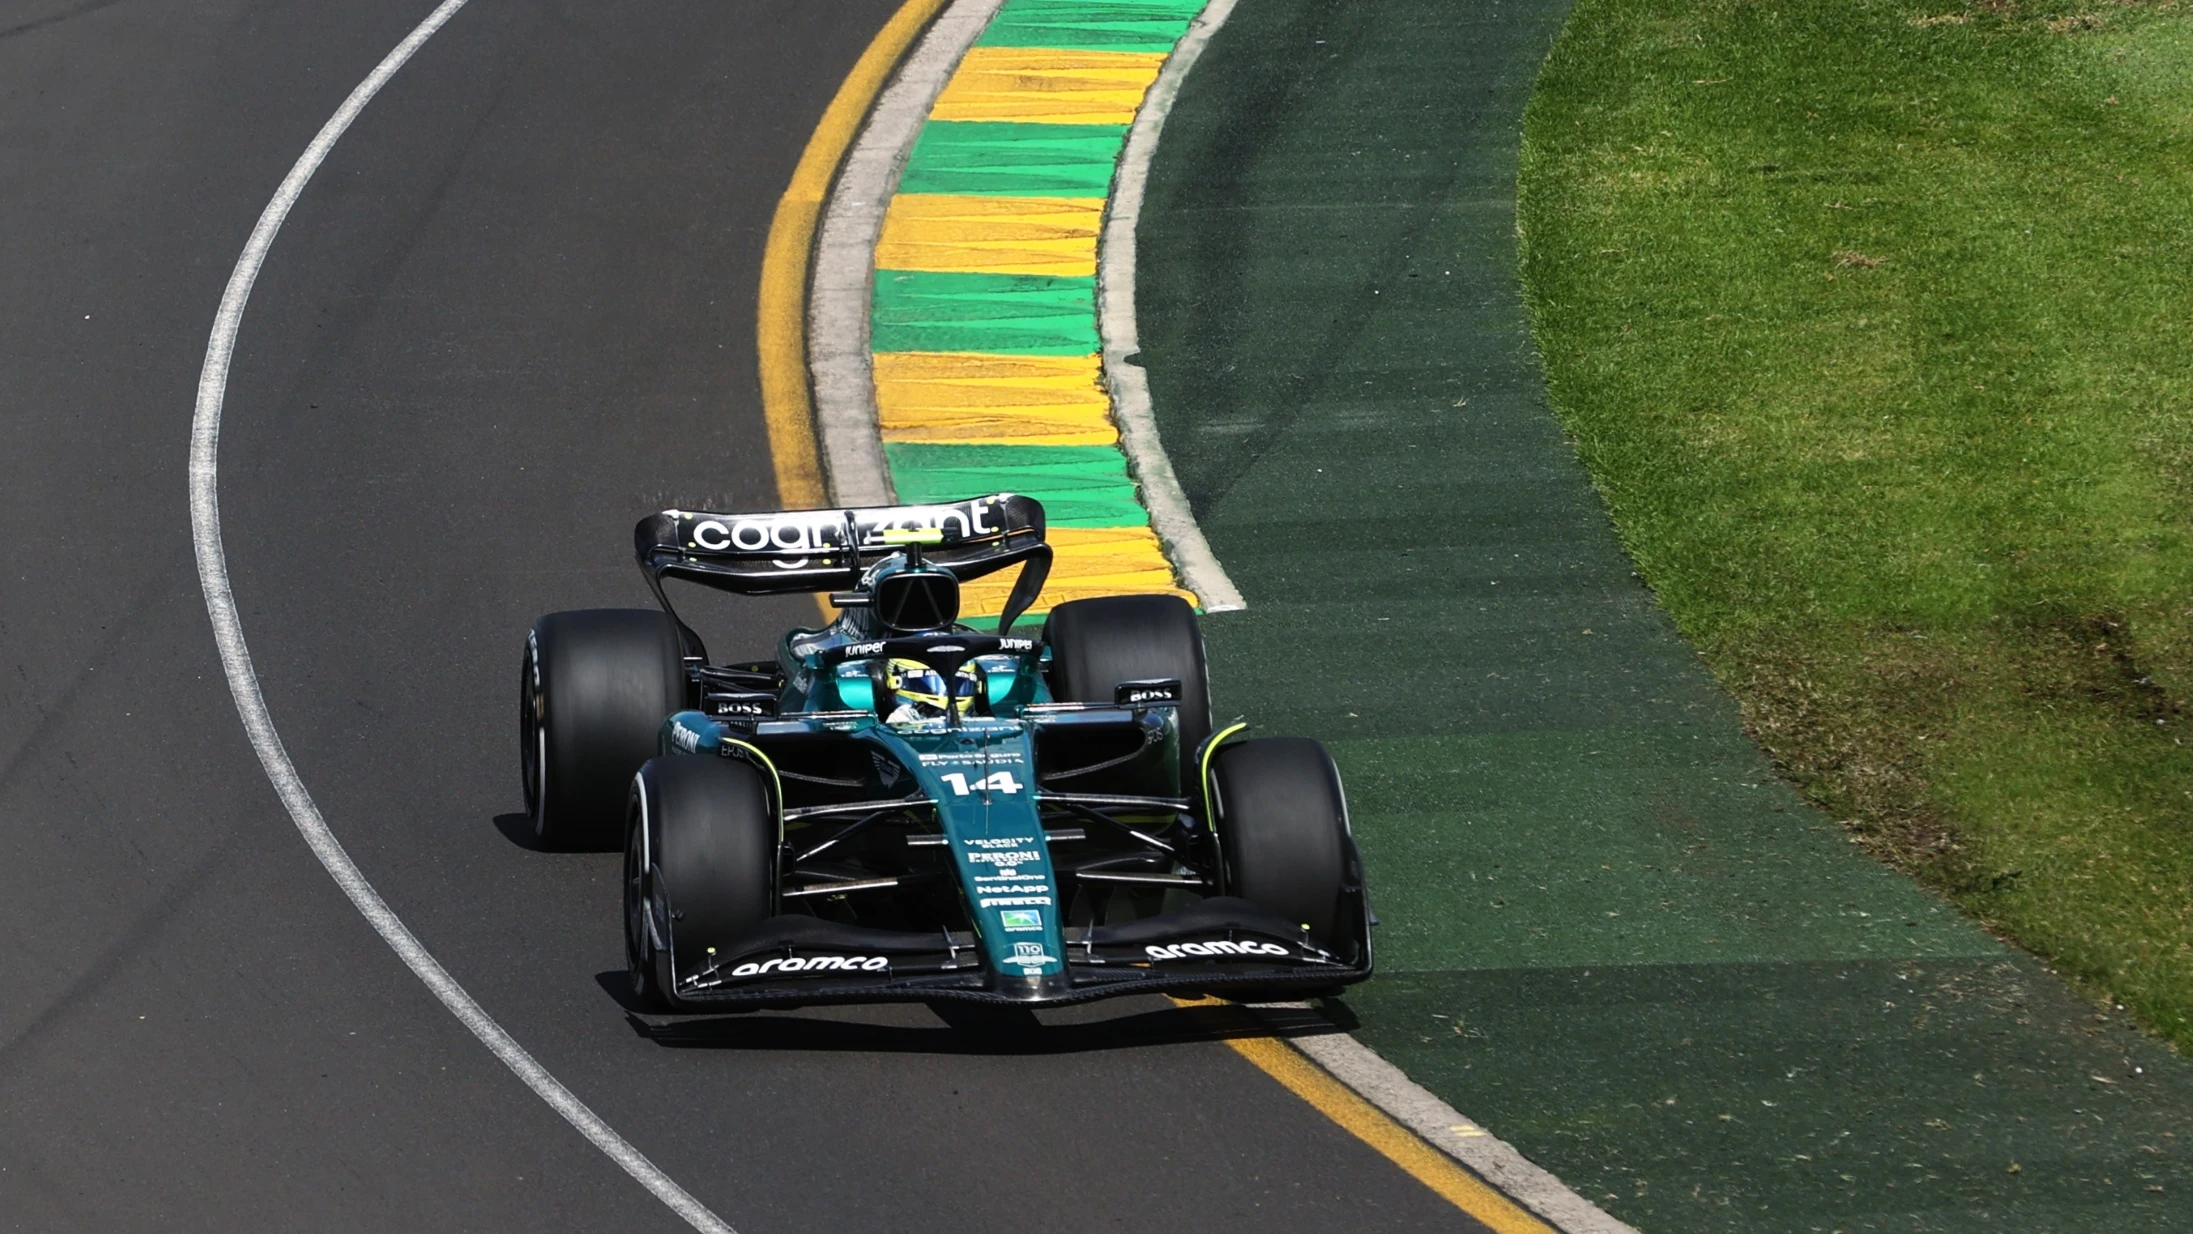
814 964
1181 951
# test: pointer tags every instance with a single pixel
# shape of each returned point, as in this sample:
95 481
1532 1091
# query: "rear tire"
1100 642
593 691
699 867
1282 826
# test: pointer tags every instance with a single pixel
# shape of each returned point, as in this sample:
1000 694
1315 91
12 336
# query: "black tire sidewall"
606 680
1099 642
709 831
1282 827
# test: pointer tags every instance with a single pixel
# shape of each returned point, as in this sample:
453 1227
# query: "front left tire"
699 867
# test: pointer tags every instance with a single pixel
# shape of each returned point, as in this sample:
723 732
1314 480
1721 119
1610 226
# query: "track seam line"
1170 514
845 260
243 680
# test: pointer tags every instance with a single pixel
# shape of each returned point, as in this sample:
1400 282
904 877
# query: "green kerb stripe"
1091 25
1010 159
1079 486
1009 314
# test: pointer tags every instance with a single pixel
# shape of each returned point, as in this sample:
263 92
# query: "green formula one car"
899 806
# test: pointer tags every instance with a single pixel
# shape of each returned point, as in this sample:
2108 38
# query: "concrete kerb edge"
843 278
1440 1125
1170 515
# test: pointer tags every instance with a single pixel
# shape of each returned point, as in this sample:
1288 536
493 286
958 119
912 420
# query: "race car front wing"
1216 945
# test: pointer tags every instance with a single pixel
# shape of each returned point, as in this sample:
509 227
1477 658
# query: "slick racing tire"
699 867
1100 642
1282 826
593 691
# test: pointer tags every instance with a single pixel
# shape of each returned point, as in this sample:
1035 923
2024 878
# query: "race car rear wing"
790 551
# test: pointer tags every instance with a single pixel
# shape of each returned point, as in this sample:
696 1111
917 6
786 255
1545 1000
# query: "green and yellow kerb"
984 322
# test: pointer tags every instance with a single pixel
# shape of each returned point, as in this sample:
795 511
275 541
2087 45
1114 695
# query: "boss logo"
1133 693
742 704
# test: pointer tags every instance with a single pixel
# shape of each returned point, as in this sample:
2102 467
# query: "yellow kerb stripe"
1374 1127
1048 87
991 235
1089 561
963 398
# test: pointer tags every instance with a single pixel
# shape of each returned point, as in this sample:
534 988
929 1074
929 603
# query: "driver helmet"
919 690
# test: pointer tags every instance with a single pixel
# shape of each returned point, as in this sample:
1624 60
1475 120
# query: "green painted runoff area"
1005 158
1610 932
1093 25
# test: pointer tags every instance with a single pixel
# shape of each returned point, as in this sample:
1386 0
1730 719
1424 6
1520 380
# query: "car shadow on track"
518 829
974 1029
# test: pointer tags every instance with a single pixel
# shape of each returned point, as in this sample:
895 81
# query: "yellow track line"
780 327
1373 1126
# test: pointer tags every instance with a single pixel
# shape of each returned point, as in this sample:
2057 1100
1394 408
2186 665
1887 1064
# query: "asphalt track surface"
513 311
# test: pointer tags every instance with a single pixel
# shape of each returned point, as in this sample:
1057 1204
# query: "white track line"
243 682
845 259
1170 515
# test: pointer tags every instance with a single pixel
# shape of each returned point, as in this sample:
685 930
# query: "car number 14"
995 782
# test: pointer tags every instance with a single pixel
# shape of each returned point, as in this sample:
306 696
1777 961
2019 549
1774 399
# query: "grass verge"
1870 320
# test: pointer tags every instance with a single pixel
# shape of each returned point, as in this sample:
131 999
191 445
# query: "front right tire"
1282 825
